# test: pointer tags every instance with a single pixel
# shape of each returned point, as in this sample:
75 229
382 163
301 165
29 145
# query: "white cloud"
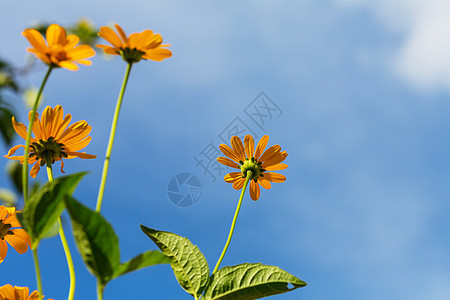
423 56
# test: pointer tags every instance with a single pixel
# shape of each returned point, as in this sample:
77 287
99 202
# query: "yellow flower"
61 51
10 232
8 292
245 158
139 45
53 140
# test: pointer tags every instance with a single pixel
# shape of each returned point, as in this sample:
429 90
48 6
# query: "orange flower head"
139 45
8 292
60 50
53 140
10 232
246 158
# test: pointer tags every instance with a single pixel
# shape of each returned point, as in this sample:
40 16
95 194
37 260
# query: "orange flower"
61 51
53 140
10 232
8 292
245 158
139 45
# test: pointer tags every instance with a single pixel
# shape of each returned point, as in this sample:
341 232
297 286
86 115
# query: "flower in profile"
61 50
10 232
8 292
246 158
53 140
139 45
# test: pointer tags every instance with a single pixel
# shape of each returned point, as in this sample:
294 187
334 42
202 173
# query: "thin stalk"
111 138
38 270
233 224
100 288
64 242
27 143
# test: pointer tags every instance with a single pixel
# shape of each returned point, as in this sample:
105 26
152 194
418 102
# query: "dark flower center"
131 55
252 165
4 230
48 150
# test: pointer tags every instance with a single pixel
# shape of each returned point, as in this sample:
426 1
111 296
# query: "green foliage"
96 240
14 170
188 263
46 205
6 129
98 245
250 281
146 259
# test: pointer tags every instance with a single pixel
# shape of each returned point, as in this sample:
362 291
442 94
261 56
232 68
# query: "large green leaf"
188 263
250 281
143 260
96 240
45 206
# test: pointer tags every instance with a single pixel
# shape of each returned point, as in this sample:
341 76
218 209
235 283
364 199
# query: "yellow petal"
249 144
157 54
81 155
77 145
68 65
264 183
122 33
254 190
72 41
238 184
35 38
269 153
109 35
35 170
276 167
229 152
275 177
238 147
19 240
55 35
6 291
233 177
261 146
276 158
3 251
81 52
227 162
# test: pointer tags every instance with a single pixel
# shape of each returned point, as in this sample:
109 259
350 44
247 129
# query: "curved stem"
64 241
233 224
111 139
100 288
27 143
38 270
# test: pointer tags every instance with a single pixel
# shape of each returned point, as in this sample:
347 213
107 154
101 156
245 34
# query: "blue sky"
364 90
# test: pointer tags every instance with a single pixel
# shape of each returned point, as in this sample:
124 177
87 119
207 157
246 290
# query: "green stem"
64 240
233 224
111 138
27 143
100 288
38 270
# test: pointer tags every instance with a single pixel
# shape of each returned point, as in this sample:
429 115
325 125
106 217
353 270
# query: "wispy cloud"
422 58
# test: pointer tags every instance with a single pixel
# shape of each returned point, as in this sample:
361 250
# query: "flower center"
4 230
252 165
48 150
58 52
131 55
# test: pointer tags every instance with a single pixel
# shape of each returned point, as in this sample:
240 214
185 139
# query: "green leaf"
250 281
96 240
146 259
6 128
188 263
45 206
